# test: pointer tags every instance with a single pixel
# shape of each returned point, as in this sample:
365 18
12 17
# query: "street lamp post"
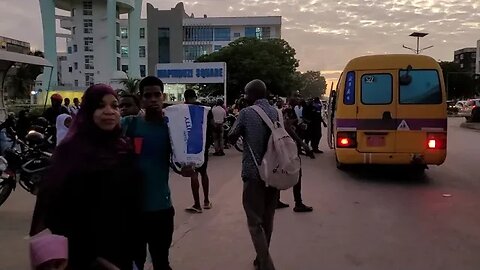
418 35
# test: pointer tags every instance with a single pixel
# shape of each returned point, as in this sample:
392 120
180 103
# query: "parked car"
469 107
462 108
451 107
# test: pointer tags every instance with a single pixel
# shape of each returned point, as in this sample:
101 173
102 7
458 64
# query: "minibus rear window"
377 89
424 88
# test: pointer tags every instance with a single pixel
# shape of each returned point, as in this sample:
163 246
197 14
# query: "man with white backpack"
270 163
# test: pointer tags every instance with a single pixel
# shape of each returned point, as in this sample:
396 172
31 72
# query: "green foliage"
313 84
271 60
23 77
131 85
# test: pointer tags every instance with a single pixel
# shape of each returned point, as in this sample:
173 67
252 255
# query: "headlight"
3 164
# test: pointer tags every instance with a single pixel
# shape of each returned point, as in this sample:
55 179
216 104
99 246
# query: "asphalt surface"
368 218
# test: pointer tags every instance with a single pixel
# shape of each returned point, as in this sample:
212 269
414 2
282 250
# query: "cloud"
325 33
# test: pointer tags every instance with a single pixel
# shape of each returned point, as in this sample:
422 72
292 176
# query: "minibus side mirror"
406 79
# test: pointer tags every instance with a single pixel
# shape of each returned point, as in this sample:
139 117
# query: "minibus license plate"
376 141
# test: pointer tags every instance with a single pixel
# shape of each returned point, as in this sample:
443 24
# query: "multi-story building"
13 45
466 58
477 61
176 37
93 41
142 46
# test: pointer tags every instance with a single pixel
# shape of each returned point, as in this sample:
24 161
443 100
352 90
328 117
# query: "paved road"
372 219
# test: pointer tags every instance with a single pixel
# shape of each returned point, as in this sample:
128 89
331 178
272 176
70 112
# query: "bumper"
429 157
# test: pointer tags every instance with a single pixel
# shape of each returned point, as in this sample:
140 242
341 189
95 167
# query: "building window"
125 68
88 42
217 48
118 46
72 12
69 50
87 8
75 48
89 62
222 34
118 63
265 32
461 65
75 65
196 33
143 71
461 56
70 69
74 30
193 52
124 51
76 83
87 26
89 80
141 51
118 29
118 13
124 32
163 45
236 35
257 32
142 32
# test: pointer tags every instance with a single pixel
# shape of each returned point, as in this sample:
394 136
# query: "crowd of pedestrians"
108 192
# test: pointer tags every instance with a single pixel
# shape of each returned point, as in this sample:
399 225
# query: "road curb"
475 126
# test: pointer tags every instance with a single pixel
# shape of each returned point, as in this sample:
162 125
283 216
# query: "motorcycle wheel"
5 190
239 145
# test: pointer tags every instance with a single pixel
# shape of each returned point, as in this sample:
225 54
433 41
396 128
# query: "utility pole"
418 35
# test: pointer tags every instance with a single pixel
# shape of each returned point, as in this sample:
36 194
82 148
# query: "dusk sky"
325 34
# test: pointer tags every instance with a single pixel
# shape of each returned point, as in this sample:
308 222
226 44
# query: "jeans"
259 203
156 230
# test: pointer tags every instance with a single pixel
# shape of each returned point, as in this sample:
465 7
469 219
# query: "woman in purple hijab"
90 194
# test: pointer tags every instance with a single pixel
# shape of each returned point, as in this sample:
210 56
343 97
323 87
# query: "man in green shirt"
150 137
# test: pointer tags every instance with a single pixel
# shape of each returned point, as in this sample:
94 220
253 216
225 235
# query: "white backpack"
280 167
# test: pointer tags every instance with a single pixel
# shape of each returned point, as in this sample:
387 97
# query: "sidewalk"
475 126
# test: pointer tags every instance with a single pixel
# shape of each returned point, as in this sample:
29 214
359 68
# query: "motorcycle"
25 166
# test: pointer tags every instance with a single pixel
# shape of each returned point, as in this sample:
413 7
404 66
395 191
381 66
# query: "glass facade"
87 8
222 34
163 45
193 52
197 33
258 32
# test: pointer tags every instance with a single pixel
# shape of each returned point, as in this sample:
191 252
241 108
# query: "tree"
22 77
313 84
131 85
459 84
270 60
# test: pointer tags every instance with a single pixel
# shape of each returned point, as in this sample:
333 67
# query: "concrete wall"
172 19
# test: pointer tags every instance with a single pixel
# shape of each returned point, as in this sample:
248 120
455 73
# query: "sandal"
194 210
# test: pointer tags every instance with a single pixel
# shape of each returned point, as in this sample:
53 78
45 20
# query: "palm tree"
131 85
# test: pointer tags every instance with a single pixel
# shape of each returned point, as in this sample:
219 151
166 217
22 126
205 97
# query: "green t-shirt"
152 146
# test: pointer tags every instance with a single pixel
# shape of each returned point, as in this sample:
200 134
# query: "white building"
93 44
142 46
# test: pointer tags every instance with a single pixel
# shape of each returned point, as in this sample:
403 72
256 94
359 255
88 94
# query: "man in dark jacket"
312 115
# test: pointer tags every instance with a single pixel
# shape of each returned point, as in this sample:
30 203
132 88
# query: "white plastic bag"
187 124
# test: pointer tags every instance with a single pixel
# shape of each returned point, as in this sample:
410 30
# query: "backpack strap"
263 115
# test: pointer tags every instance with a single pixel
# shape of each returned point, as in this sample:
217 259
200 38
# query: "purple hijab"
85 147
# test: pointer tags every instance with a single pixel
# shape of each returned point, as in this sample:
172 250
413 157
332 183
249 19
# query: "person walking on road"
191 98
259 201
90 193
150 137
314 118
291 122
219 116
